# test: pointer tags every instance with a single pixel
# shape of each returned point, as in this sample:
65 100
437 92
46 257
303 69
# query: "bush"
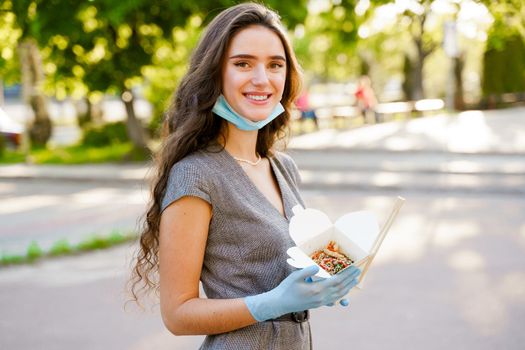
105 135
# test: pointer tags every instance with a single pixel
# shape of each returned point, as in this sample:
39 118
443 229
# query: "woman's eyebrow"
246 56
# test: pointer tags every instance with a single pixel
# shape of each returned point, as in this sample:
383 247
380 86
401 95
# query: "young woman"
223 197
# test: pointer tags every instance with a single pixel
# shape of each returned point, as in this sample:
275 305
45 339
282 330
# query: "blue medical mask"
224 110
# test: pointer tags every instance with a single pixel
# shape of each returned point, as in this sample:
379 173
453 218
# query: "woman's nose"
260 75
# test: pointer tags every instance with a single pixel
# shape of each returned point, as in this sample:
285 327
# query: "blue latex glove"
342 302
296 294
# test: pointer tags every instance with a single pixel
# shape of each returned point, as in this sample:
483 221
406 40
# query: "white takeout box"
311 230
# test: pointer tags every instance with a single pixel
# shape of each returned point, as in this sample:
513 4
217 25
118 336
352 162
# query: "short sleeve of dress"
187 178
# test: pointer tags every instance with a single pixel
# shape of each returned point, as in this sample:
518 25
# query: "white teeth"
257 97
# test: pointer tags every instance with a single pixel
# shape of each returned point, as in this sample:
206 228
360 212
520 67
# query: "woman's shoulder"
286 162
284 158
189 176
198 160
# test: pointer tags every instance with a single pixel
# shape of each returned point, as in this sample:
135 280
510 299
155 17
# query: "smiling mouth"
257 97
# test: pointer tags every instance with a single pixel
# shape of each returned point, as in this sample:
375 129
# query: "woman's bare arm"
183 234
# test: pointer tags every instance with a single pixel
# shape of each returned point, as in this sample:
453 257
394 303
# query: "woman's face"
254 72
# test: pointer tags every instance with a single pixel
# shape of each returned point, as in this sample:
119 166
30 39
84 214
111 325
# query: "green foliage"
504 57
101 242
169 65
61 247
504 66
325 47
104 135
12 259
92 243
11 156
116 237
79 154
10 34
82 155
34 251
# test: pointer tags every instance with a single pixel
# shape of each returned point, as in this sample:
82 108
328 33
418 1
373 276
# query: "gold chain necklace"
249 161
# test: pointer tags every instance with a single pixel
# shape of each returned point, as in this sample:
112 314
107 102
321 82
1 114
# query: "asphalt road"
48 210
451 273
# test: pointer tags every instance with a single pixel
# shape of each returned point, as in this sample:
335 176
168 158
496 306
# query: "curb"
414 187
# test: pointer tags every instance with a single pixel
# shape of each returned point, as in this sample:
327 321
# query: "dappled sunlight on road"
68 210
512 287
466 132
102 195
460 260
478 303
26 203
313 140
164 340
462 166
522 232
470 133
77 270
6 188
386 179
93 196
447 235
466 260
405 242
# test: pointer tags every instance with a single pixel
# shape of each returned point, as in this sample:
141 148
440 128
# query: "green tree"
9 68
423 44
504 57
120 40
326 43
504 66
106 46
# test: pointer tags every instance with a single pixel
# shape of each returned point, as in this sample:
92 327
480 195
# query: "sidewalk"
479 132
473 142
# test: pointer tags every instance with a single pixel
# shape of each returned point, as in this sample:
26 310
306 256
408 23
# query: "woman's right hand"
297 293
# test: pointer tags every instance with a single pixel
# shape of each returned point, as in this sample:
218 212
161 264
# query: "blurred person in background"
307 113
223 196
366 99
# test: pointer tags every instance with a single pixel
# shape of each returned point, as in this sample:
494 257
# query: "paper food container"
357 235
312 230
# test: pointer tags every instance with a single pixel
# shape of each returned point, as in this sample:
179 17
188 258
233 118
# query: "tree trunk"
134 129
459 63
408 84
32 79
88 113
418 93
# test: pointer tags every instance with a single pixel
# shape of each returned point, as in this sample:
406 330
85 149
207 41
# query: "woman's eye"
241 64
276 65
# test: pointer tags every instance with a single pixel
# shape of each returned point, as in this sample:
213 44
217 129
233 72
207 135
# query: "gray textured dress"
247 241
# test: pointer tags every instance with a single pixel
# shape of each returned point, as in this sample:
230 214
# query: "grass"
78 154
63 247
10 157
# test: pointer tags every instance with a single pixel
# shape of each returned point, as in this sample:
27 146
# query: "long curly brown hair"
190 124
